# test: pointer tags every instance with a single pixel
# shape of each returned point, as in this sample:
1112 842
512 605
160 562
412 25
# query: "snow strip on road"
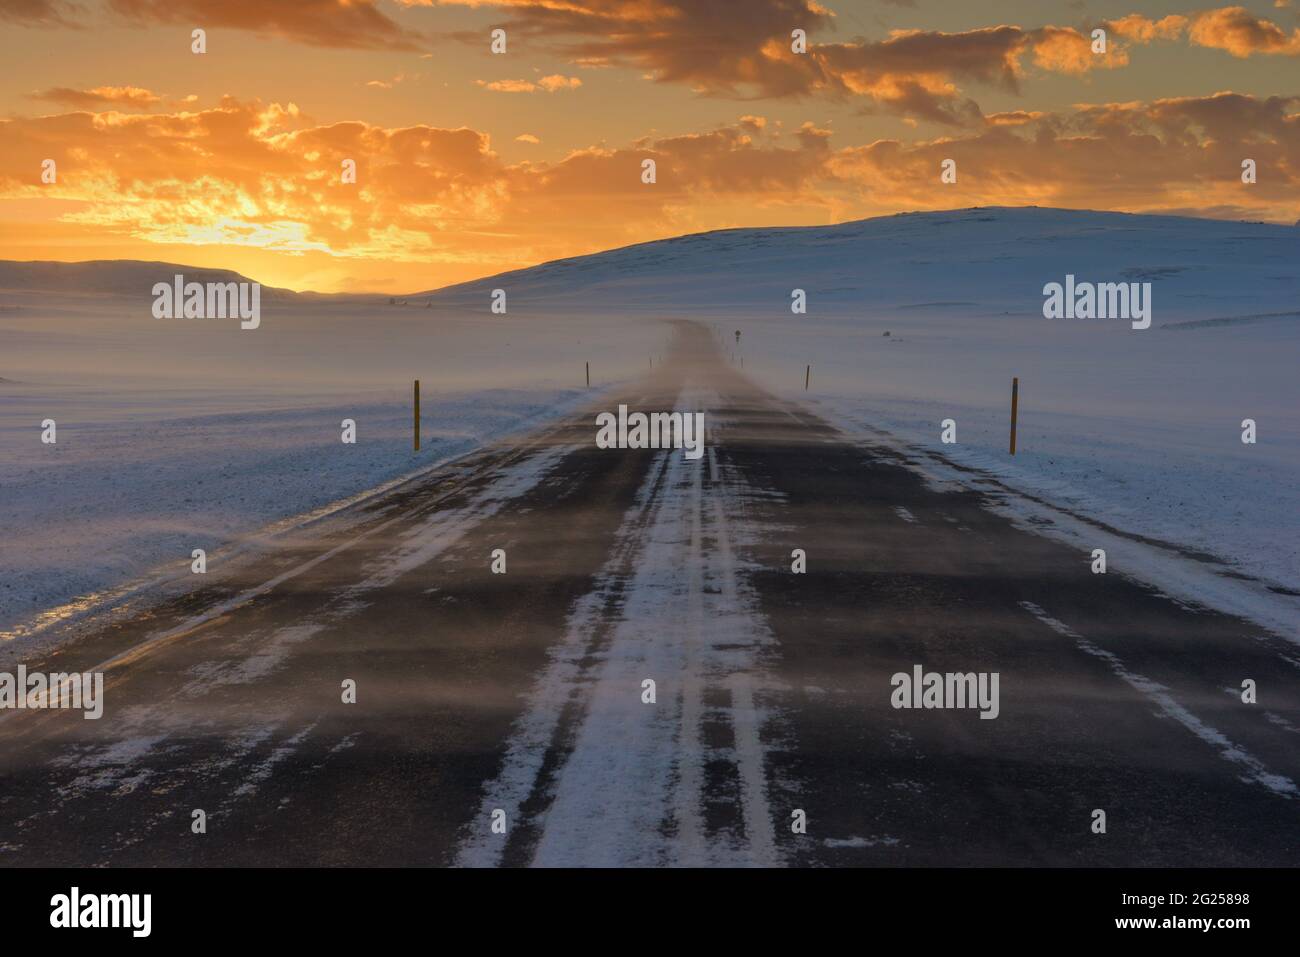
1255 770
630 787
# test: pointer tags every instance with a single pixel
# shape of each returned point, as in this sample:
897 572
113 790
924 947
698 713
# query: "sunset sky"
470 163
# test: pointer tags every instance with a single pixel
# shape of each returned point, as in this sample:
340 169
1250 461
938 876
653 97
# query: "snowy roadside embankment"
1180 518
173 435
1134 432
121 496
1130 441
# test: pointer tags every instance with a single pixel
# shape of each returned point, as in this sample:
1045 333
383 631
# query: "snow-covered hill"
986 259
115 277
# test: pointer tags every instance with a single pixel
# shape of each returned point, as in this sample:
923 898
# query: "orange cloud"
1013 117
131 96
914 73
508 86
548 84
557 82
249 175
390 83
1234 29
1177 154
1140 29
258 176
264 177
1069 51
1242 34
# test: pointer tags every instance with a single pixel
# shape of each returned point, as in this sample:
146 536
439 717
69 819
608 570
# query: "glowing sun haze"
469 163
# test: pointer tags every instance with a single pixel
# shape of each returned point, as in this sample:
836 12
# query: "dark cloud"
742 48
40 13
357 24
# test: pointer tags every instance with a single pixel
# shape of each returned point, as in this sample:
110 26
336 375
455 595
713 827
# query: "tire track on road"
595 776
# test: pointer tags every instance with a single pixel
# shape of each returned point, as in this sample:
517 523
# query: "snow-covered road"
770 589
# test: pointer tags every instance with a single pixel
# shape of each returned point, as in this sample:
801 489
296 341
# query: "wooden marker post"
807 375
417 416
588 374
1015 401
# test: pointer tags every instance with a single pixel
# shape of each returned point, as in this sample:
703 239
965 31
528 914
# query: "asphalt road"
521 696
